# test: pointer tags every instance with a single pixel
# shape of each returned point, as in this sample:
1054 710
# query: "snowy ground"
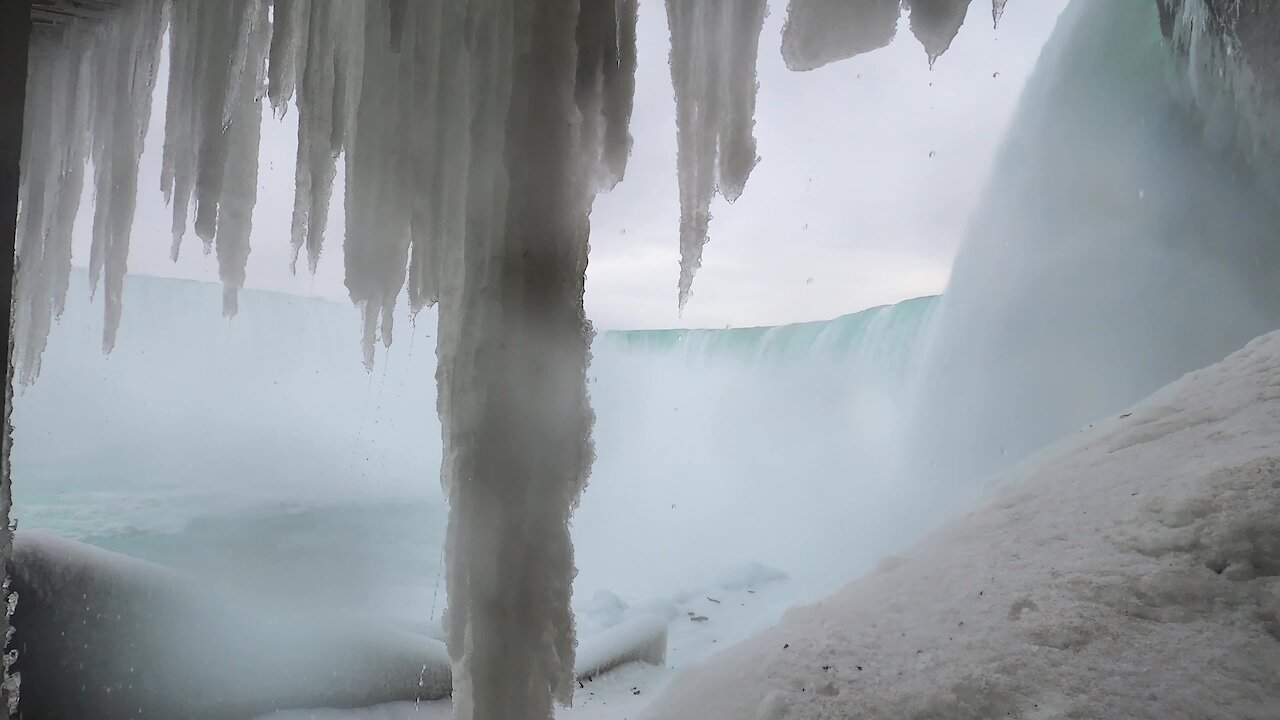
1131 571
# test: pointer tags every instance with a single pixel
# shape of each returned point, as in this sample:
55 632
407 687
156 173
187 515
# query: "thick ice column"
15 35
513 354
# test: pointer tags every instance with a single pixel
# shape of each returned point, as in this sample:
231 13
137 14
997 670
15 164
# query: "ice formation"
87 98
213 126
935 23
818 32
714 44
475 137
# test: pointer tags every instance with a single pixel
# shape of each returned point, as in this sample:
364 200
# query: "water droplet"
933 153
995 74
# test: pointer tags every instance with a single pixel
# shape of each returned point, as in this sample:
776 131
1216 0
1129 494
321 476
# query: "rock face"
1257 25
1230 50
104 636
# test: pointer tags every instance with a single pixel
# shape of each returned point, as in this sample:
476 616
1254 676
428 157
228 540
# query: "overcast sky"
869 170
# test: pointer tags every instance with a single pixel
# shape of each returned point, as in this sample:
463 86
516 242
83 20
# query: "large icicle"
513 353
819 32
243 131
212 130
397 190
935 23
606 84
56 146
997 11
125 58
441 155
289 21
327 94
714 45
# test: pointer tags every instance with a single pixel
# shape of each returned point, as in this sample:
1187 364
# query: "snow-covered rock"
104 636
1129 571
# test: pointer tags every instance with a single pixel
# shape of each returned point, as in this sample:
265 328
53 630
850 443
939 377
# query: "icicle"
127 52
935 23
380 189
997 11
243 134
56 148
289 18
606 84
439 214
325 98
217 54
714 44
513 348
220 22
178 168
818 32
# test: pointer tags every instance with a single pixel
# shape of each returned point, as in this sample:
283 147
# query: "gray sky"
846 210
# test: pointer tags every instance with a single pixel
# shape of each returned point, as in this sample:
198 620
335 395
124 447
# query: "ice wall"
1114 251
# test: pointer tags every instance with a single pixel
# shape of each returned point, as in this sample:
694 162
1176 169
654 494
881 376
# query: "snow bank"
1132 571
104 636
643 639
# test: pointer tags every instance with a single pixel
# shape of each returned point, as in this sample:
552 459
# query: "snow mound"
1132 571
105 636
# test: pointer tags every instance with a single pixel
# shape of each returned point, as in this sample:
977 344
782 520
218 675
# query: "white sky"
847 208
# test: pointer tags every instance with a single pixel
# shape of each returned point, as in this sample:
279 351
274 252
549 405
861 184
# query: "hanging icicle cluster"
88 99
475 136
213 123
714 44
